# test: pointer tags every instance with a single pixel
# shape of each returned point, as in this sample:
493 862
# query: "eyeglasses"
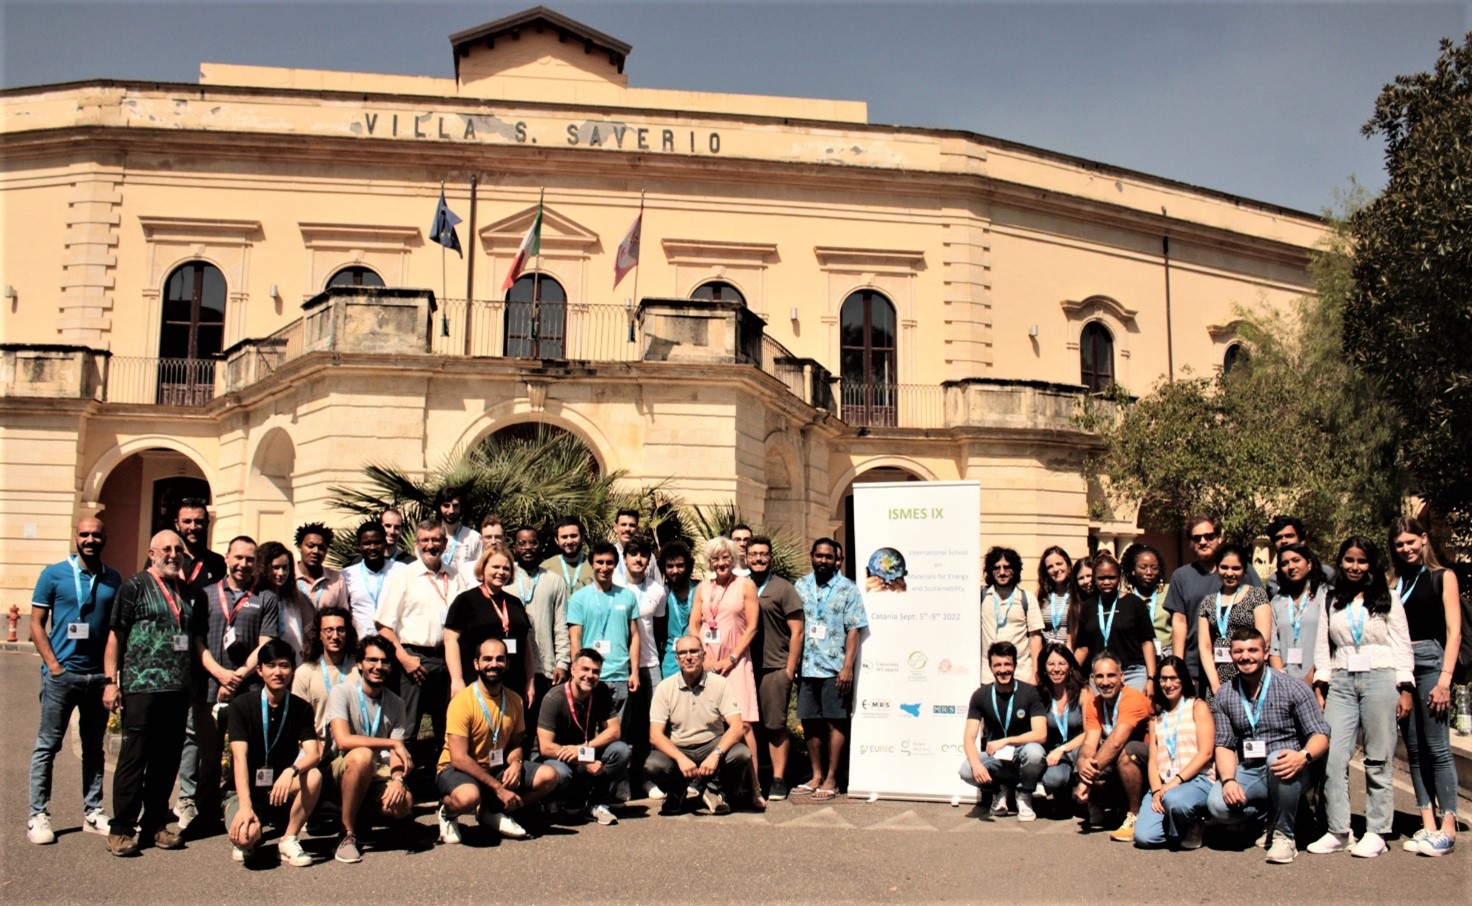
333 630
1205 536
687 653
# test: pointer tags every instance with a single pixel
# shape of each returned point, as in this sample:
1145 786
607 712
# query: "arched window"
192 334
867 359
1235 355
356 275
536 318
717 291
1096 357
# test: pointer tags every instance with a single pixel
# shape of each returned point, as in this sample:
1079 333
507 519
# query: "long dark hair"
1075 594
312 644
1045 584
265 555
1374 586
1315 576
1072 686
1127 565
1188 685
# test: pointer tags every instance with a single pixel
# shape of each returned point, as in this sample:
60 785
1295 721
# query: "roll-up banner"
918 563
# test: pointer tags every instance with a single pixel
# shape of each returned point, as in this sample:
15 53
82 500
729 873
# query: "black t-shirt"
244 723
1022 703
591 715
1128 632
1425 612
474 616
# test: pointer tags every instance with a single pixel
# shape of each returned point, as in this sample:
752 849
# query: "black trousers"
430 697
153 738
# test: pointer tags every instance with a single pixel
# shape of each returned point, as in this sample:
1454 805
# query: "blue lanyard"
495 725
526 596
1056 604
1107 627
1060 720
997 611
577 568
378 718
368 576
1170 735
1006 724
76 563
451 543
1113 714
1295 614
682 608
1150 601
1401 581
327 677
305 588
1254 711
820 606
1357 627
1224 613
266 721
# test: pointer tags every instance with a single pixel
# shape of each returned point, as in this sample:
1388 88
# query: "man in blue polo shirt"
605 617
77 595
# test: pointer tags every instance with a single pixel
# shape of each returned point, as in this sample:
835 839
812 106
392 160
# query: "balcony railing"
867 405
549 330
161 382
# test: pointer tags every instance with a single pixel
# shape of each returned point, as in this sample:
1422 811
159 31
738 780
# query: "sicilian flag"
531 245
443 228
628 250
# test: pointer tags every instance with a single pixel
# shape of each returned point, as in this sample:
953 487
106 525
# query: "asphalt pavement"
798 852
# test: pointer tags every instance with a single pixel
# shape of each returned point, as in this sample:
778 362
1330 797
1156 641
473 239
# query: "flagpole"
537 291
636 267
470 262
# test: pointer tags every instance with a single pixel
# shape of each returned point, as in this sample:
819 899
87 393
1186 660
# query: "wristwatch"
720 752
1308 757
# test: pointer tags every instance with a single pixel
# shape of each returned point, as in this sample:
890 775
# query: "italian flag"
531 245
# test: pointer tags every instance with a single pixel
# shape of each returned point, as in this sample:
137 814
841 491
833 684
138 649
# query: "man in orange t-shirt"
1112 762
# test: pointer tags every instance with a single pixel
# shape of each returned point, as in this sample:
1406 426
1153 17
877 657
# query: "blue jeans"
1059 779
1022 772
1428 737
1184 806
189 761
577 788
59 695
1266 796
1360 701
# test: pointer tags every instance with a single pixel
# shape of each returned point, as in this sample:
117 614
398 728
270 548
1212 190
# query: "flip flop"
803 789
822 795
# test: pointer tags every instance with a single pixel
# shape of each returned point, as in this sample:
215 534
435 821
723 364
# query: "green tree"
1294 428
1409 319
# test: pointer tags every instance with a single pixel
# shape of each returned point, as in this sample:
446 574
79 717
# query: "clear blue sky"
1263 100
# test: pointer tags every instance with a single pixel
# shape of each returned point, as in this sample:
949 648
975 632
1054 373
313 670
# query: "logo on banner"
881 666
945 666
874 707
943 709
917 661
876 749
912 709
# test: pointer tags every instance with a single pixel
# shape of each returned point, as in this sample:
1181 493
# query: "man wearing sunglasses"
1190 584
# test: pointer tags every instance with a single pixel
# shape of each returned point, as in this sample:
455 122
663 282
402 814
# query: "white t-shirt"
651 594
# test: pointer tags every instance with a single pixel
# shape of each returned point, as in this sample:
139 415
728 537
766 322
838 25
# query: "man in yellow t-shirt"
480 769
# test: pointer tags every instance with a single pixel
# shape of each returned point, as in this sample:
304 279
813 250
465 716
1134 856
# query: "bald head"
90 539
166 553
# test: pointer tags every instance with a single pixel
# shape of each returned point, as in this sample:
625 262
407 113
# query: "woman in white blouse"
1363 675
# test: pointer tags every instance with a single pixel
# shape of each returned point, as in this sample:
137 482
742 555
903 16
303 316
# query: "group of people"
1210 698
562 684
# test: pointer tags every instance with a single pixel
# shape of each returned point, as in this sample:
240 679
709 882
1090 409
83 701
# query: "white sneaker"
506 826
1282 851
656 793
999 802
38 829
1335 843
449 827
1413 845
1369 846
603 815
1024 807
96 822
186 812
241 855
291 852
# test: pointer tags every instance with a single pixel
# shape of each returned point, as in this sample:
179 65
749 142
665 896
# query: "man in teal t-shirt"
604 617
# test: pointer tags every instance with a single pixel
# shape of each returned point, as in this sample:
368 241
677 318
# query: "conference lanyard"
821 604
306 589
997 611
763 590
1357 627
374 590
1060 719
1295 614
712 610
230 615
194 573
495 725
1113 714
1056 605
75 561
178 616
1150 601
1224 613
1401 581
577 568
327 677
363 707
572 707
682 608
1107 627
451 543
503 611
1254 711
441 588
1170 735
266 721
1006 724
526 596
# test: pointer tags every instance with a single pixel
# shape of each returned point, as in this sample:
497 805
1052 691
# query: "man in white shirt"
639 574
365 579
411 615
462 543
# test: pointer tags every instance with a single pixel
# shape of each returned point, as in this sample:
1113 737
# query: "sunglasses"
1205 536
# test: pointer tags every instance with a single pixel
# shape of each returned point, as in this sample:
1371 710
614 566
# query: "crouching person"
369 728
274 753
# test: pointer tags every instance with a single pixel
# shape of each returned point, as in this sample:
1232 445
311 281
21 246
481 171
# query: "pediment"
559 232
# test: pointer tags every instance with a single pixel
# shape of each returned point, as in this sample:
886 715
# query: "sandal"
803 789
822 795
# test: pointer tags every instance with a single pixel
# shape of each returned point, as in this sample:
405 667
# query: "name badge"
1168 773
497 758
1221 655
181 642
229 638
510 645
711 636
78 630
1006 753
818 631
265 777
1295 657
1254 748
587 755
603 646
1359 663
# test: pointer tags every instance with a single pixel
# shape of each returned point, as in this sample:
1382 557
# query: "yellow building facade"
230 288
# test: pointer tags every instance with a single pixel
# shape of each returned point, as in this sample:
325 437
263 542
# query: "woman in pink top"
725 615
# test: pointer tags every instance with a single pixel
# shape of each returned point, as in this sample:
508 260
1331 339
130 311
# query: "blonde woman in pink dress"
725 618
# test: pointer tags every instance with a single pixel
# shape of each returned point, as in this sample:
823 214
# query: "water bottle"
1462 702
